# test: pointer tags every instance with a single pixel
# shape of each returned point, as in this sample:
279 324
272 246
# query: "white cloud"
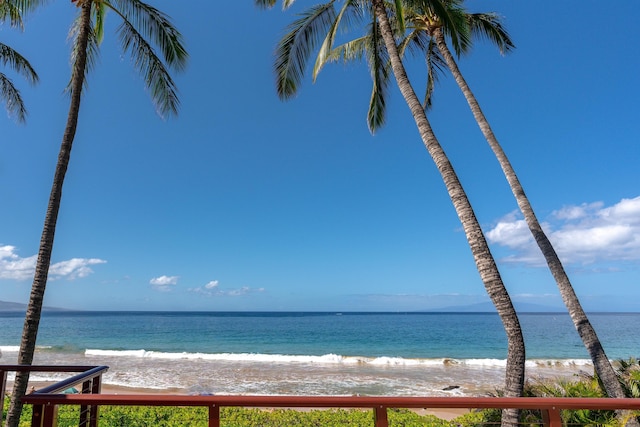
585 234
164 283
212 284
14 267
213 289
510 232
73 268
577 212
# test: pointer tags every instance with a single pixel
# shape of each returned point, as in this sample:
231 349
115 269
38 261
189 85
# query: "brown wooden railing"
89 376
45 401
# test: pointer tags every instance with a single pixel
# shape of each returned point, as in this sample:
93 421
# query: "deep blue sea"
313 353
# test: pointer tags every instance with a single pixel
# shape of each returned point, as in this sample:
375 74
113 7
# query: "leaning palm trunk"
34 309
514 379
587 333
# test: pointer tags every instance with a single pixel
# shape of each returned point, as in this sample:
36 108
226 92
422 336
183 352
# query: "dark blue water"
312 353
408 335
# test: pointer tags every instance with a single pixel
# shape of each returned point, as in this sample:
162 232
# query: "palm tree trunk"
588 335
34 309
514 378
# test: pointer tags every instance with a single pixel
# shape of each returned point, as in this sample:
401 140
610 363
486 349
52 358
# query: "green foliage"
407 418
292 418
584 385
140 416
470 419
25 419
628 372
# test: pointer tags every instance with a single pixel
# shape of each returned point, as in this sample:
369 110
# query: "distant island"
483 307
16 307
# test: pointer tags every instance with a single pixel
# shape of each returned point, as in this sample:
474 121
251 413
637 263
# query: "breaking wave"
332 359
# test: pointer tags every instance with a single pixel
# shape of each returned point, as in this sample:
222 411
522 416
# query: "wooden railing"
45 402
89 376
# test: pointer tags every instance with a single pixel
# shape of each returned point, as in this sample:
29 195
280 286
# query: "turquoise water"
313 353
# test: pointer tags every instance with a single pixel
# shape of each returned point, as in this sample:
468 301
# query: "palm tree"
141 28
489 26
9 94
292 53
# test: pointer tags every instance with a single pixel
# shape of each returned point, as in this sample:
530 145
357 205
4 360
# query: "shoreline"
201 376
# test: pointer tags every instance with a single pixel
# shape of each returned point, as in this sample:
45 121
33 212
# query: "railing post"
84 409
551 417
50 416
44 416
36 415
96 387
89 413
381 419
214 416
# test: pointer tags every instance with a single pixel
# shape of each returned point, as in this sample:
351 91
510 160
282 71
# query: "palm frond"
163 90
455 25
10 12
15 9
379 67
27 6
416 42
399 15
436 66
155 27
353 50
420 42
287 4
355 13
267 4
451 17
295 47
18 63
327 43
396 13
489 26
12 99
99 10
93 51
349 10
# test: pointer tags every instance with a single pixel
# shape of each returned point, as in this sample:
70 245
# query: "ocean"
287 353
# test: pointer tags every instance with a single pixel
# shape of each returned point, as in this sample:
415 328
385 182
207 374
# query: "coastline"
129 375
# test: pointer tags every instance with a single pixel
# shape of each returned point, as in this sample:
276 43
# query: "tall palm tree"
514 378
9 94
489 26
292 53
142 28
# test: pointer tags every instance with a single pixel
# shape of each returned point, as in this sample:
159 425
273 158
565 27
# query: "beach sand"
442 413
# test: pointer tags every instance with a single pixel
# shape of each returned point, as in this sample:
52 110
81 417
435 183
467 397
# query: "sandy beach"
442 413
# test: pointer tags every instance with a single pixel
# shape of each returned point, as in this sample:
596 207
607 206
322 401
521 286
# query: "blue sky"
245 202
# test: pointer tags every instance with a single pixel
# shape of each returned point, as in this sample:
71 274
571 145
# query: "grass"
136 416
